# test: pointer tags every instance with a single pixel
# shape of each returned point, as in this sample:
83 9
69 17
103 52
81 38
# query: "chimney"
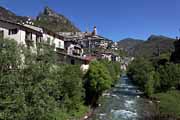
94 31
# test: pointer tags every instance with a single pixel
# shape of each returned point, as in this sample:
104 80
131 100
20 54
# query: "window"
28 36
59 45
13 31
38 39
48 40
1 34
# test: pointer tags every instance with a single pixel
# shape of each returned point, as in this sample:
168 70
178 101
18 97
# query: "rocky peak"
49 12
55 21
48 19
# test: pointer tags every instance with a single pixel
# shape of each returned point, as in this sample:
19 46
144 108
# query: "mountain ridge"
148 47
48 19
55 21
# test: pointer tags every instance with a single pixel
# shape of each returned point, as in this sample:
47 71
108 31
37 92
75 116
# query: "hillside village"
51 70
72 47
76 45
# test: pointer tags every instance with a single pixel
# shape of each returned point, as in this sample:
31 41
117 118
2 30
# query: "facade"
20 33
29 35
88 40
69 45
73 48
54 39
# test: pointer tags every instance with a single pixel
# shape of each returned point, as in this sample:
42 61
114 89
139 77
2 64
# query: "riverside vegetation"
160 80
36 87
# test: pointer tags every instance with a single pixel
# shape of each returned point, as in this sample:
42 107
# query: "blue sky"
115 19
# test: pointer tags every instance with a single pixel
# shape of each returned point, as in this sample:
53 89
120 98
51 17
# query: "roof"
37 30
45 30
82 36
22 26
89 58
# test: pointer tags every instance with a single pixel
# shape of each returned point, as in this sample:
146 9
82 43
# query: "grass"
169 103
73 114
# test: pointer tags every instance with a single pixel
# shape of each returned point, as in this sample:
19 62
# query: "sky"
114 19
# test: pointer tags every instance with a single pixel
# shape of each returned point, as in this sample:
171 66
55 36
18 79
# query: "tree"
12 98
97 80
149 86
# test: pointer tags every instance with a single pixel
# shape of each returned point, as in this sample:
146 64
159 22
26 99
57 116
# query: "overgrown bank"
159 79
34 86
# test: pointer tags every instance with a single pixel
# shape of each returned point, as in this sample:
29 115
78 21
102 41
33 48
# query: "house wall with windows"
11 31
20 33
59 43
29 35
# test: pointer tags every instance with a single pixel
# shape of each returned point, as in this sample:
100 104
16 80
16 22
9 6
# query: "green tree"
97 80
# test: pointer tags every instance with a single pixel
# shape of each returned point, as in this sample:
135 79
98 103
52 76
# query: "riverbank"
168 104
124 102
159 82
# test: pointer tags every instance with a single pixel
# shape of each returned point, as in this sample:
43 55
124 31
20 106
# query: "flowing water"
124 102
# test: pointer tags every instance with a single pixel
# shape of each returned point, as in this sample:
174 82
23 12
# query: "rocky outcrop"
48 19
55 22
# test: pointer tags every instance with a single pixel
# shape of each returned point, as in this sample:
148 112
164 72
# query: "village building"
73 48
22 34
88 40
54 39
70 46
29 35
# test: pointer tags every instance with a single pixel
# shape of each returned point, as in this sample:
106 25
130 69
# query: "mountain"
128 44
6 14
47 19
56 22
153 46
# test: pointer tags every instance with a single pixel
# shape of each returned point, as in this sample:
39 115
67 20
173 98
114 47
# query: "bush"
156 81
97 80
113 68
169 103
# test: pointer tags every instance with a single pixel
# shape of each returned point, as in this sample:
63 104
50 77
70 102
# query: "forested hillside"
159 79
153 46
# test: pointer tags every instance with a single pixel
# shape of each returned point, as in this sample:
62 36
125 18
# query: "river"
124 102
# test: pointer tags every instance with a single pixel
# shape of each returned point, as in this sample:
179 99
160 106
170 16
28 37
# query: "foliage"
159 78
113 68
97 80
169 76
40 88
160 81
34 86
141 71
169 103
151 47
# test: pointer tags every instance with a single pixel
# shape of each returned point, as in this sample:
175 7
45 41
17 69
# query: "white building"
75 50
29 35
54 39
20 33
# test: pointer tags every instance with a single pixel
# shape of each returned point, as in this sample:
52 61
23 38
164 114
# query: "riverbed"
124 102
